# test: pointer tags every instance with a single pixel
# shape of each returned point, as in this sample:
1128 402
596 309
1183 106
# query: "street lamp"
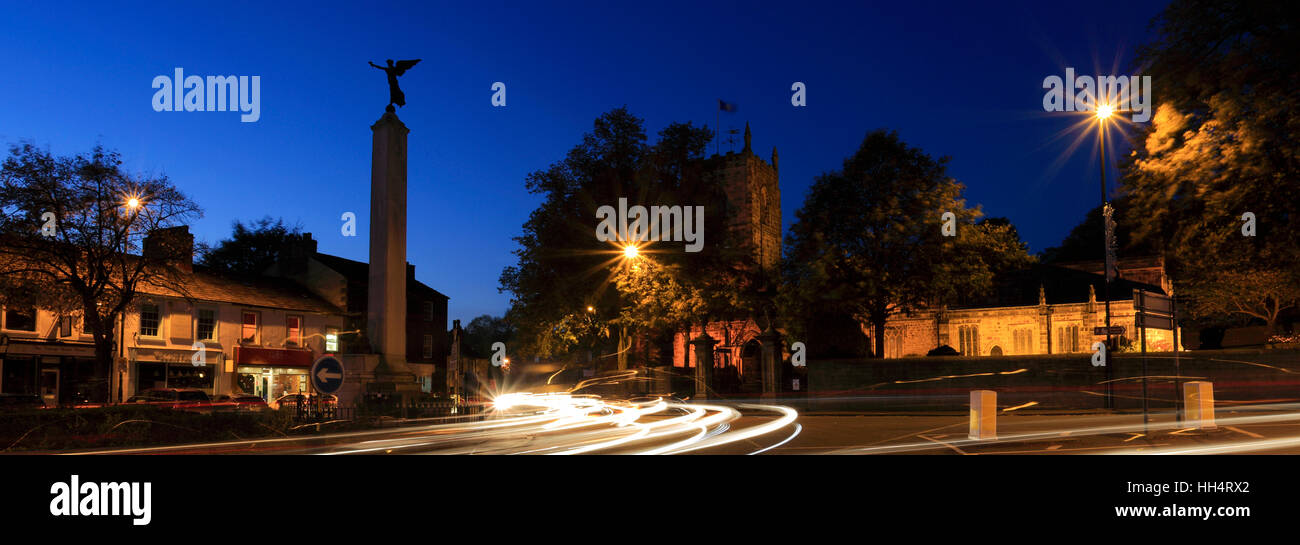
1104 111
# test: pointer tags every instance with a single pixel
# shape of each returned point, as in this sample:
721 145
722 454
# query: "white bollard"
1198 398
983 414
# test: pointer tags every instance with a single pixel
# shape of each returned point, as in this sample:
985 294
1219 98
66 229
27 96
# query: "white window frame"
158 330
216 323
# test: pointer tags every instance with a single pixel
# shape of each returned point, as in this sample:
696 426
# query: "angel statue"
395 95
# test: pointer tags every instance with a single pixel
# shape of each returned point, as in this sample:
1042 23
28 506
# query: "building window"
969 340
206 324
20 319
428 311
893 342
191 376
1068 337
65 326
428 347
149 320
332 341
1024 341
248 333
293 331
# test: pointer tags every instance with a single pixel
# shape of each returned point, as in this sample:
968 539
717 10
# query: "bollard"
983 414
1198 398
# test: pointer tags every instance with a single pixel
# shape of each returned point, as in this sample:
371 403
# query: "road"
573 424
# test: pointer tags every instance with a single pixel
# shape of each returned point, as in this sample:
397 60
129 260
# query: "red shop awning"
273 357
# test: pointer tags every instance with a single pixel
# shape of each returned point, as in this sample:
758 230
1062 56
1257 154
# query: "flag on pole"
726 106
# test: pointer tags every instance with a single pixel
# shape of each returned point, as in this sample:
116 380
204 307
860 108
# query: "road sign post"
327 374
1153 310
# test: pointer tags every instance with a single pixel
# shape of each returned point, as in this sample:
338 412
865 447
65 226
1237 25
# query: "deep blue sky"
954 79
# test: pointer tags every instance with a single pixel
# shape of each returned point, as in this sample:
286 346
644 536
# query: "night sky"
953 79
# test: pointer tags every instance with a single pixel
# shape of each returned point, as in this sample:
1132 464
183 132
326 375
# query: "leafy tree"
1222 144
563 270
251 248
485 330
89 263
1084 243
868 242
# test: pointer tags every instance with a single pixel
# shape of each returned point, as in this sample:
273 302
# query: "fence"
314 412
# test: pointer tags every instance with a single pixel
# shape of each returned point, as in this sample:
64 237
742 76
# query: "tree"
72 235
483 331
1084 242
1222 145
563 270
251 248
868 240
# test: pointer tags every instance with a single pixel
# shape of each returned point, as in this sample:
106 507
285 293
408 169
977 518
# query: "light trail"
528 423
1292 414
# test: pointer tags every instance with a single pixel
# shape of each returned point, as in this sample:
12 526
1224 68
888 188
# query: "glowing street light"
630 251
1104 111
133 203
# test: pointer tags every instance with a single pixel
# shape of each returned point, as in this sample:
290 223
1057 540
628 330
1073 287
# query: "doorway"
50 387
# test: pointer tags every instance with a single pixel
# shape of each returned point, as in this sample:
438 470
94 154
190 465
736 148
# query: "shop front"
270 373
167 368
62 373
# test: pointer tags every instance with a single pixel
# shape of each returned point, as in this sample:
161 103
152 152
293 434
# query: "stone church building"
1068 306
754 204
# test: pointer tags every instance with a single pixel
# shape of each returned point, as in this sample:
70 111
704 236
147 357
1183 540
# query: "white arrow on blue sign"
327 374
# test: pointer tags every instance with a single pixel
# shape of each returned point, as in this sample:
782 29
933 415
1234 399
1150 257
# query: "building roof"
204 284
360 271
1061 284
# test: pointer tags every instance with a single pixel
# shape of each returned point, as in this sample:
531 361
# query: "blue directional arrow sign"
327 374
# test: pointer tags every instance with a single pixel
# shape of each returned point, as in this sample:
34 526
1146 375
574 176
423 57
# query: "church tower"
753 201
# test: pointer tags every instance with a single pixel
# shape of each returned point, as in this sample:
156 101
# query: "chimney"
173 245
298 249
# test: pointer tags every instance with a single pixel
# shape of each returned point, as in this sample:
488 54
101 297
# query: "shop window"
150 375
20 319
149 320
19 375
293 331
191 376
249 329
206 324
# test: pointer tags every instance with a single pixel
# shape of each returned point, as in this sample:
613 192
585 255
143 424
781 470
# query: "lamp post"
1104 111
630 252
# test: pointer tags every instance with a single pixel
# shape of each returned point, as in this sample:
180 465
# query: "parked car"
240 403
290 401
19 402
186 399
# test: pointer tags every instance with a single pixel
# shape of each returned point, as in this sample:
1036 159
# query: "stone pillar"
386 303
772 351
703 364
